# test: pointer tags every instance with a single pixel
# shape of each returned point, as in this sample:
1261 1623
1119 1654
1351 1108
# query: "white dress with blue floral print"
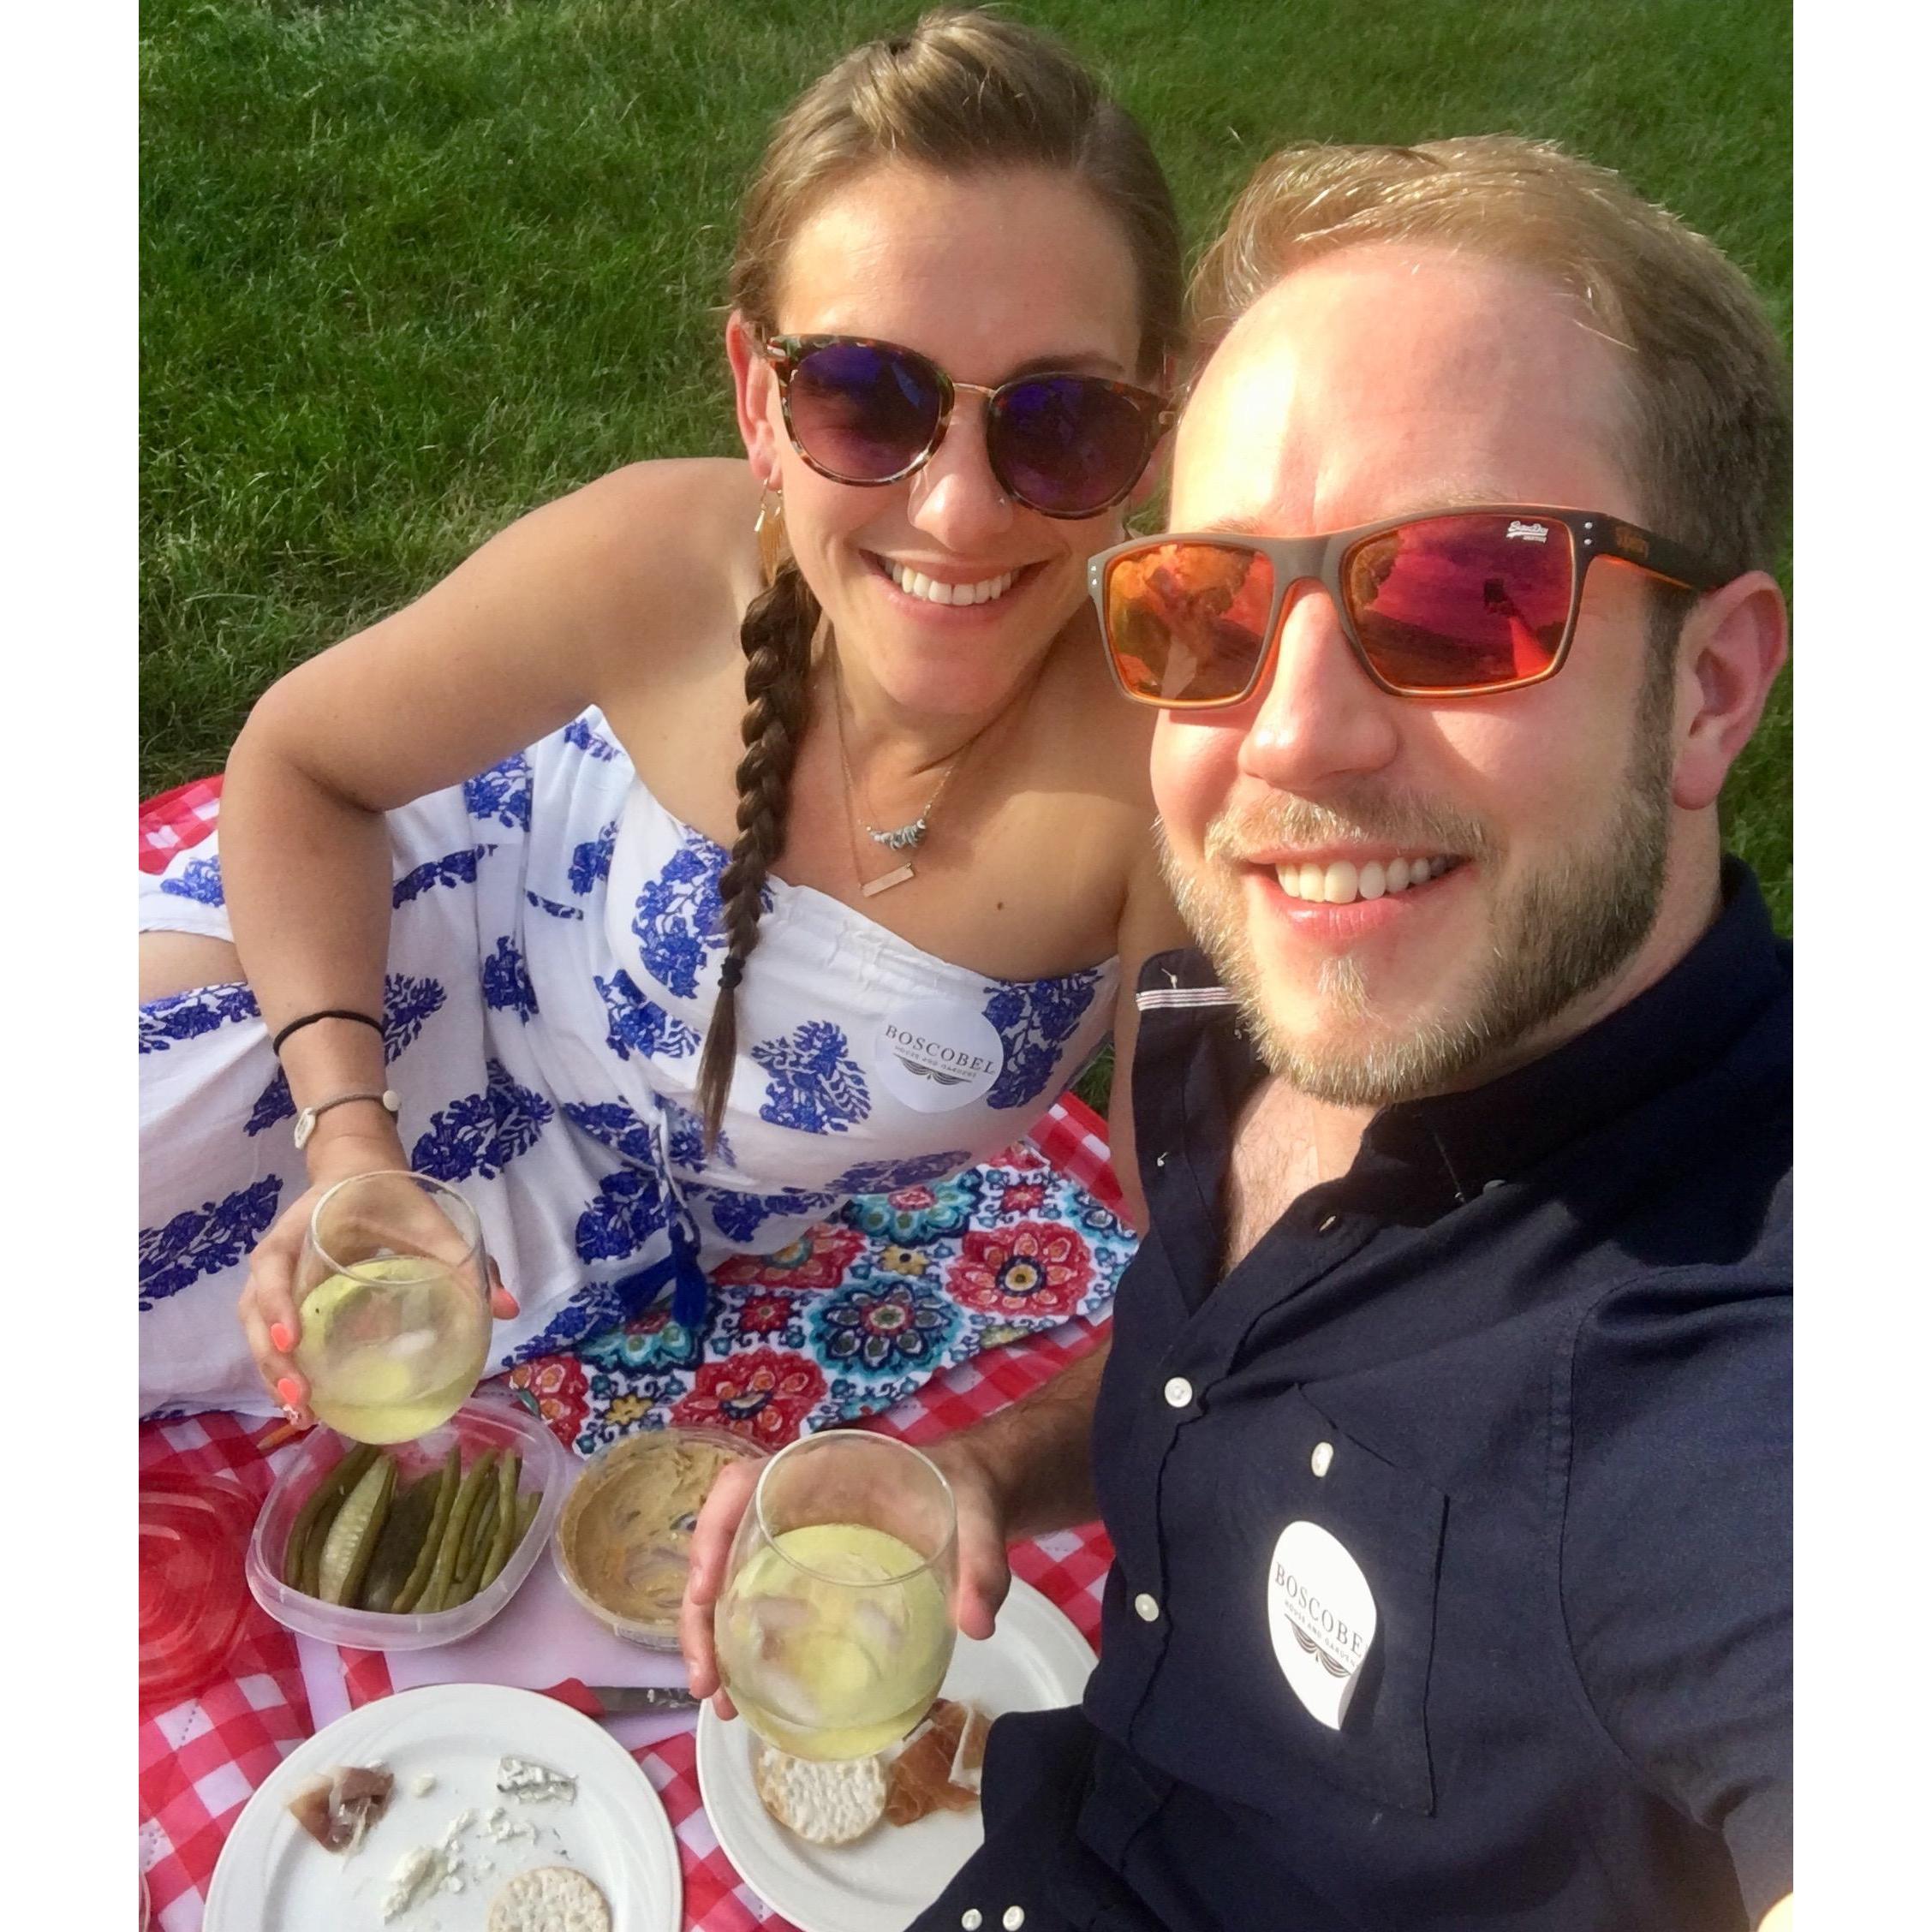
554 951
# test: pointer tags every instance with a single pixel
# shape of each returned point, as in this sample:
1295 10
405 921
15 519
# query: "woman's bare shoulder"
1102 742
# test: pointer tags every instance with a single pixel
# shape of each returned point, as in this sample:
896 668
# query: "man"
1443 1439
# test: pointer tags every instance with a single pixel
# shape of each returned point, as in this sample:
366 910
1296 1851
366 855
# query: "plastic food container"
483 1423
659 1550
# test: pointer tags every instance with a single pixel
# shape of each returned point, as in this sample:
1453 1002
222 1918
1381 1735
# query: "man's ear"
1733 646
754 390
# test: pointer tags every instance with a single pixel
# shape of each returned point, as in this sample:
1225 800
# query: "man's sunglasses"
869 412
1455 604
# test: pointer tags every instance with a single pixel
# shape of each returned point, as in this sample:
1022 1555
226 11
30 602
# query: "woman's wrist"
356 1137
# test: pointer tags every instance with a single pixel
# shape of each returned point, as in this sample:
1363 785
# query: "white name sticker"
935 1055
1321 1618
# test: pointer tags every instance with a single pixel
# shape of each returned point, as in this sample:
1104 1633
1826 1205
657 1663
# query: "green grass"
412 266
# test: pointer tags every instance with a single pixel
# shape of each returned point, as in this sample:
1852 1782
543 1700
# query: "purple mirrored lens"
864 414
1069 445
1448 603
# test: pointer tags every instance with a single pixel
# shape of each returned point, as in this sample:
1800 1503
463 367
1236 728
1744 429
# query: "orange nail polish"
290 1390
280 1336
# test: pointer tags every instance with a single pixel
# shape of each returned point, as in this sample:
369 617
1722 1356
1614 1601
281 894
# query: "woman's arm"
1149 924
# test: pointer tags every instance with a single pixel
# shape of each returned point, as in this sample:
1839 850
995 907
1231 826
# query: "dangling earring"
770 531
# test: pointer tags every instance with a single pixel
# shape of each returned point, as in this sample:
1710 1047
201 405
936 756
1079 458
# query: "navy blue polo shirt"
1528 1363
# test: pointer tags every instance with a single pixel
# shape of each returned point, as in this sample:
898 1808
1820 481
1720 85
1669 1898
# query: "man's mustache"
1398 819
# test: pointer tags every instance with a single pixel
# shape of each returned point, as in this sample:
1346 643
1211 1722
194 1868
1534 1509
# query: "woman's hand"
983 1572
267 1307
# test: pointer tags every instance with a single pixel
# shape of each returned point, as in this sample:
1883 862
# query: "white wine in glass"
393 1297
834 1627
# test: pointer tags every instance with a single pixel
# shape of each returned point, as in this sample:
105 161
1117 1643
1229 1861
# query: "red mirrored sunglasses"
1456 603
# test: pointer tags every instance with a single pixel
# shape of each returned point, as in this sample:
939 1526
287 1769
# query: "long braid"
777 640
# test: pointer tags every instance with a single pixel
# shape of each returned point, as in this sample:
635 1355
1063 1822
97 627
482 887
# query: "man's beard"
1564 930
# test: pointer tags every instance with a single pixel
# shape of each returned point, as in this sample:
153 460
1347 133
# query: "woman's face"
992 275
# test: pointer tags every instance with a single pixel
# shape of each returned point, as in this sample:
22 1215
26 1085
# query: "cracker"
551 1899
824 1803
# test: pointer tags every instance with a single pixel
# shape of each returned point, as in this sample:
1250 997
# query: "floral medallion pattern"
200 880
453 868
848 1319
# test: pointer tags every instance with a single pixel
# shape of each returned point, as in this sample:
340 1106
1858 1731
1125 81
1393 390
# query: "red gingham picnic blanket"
202 1759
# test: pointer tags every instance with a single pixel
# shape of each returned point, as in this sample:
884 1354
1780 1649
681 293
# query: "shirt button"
1324 1454
1327 1222
1013 1918
970 1919
1179 1393
1145 1608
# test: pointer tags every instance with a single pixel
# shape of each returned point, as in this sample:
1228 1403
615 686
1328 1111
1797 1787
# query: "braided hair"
964 91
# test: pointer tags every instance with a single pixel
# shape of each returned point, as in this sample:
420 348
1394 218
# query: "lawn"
411 267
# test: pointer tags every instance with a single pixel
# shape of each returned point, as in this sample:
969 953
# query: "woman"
727 838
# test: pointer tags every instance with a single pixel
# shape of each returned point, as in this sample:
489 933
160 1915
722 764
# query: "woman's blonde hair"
1710 436
964 92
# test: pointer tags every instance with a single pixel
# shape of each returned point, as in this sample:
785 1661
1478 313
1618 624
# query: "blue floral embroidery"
550 906
887 1177
200 880
407 1003
188 1016
680 917
453 868
740 1216
684 1141
639 1025
274 1103
593 744
482 1133
206 1239
590 863
884 1327
627 1210
1034 1023
815 1086
506 982
502 793
616 1126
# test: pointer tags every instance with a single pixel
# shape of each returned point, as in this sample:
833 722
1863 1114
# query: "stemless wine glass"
835 1626
393 1291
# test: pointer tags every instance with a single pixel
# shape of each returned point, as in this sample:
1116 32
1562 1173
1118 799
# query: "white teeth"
916 583
1342 882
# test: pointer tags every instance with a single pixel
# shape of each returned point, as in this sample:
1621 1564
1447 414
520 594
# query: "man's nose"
956 497
1318 721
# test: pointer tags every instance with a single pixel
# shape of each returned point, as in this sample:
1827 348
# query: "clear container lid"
193 1596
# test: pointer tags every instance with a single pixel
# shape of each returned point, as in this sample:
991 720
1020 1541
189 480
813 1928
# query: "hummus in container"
623 1546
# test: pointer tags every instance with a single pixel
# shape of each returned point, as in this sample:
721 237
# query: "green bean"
330 1490
418 1579
441 1577
353 1534
498 1554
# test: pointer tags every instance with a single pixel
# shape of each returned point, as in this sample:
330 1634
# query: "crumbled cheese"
423 1784
522 1777
503 1828
416 1875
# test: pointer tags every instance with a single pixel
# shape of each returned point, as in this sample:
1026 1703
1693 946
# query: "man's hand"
983 1574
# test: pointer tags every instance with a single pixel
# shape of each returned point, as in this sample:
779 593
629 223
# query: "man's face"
1380 381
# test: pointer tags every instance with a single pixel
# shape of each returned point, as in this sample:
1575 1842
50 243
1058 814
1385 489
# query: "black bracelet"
309 1019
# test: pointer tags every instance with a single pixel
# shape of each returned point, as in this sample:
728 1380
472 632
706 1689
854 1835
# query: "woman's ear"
1732 647
754 393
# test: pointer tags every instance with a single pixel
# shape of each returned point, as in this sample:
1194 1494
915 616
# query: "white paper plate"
274 1877
1035 1659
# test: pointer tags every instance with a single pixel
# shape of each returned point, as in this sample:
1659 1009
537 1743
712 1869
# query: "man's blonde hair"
1710 443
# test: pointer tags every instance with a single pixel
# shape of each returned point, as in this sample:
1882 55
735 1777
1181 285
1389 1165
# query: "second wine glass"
834 1627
